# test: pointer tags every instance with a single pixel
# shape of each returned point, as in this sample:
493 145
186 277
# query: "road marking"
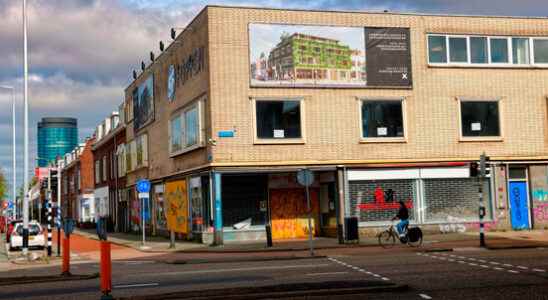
507 265
424 296
472 259
513 271
231 270
472 264
539 270
326 273
482 261
494 263
125 286
498 269
360 270
522 267
385 279
484 266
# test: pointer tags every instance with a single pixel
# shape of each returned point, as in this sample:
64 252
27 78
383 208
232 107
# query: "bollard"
106 271
66 256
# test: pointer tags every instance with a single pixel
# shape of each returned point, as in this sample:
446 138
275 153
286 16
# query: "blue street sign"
143 186
10 205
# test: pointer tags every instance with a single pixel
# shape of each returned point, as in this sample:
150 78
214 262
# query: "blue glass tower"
56 137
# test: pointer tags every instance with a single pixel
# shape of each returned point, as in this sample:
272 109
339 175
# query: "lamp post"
14 169
26 137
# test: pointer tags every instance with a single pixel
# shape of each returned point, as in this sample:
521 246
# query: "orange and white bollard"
106 271
66 256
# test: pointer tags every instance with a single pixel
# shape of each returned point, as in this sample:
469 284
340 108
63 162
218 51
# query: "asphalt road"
500 274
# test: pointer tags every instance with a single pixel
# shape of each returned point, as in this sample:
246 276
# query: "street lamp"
14 172
26 136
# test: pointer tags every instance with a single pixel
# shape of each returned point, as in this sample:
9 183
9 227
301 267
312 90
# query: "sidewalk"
494 240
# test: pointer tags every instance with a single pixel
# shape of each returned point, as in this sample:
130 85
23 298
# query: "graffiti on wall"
177 206
541 212
460 225
384 200
290 213
540 195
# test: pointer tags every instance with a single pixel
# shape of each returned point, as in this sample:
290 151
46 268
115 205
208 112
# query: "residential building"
109 166
223 144
56 137
77 184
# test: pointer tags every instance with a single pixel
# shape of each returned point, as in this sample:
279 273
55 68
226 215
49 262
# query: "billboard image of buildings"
143 103
303 55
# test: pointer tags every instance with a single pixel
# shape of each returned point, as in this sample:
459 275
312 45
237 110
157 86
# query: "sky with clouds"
81 52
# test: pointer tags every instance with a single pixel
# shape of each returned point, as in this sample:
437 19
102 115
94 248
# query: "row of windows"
487 50
282 119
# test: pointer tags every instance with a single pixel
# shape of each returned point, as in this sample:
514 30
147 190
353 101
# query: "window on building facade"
520 51
105 172
457 49
382 119
186 132
541 51
278 119
121 160
97 172
78 179
499 51
480 118
141 148
478 50
128 154
437 49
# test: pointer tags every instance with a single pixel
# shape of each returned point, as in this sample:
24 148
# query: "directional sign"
143 186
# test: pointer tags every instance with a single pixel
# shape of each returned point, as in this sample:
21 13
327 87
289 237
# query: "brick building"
77 184
222 144
109 179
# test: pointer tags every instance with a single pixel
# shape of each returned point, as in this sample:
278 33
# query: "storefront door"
519 198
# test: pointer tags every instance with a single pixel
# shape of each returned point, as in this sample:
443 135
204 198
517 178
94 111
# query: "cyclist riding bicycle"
403 216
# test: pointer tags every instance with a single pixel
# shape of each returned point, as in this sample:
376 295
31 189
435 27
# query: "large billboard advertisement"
388 56
328 56
143 103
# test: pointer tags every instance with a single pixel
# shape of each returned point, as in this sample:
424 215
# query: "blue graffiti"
516 193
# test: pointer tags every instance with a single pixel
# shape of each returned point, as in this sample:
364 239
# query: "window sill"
383 140
481 139
486 66
186 150
280 141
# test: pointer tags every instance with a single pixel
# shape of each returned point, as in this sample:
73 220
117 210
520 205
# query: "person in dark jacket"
403 216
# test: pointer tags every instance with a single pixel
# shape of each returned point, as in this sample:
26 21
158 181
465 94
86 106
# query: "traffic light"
474 169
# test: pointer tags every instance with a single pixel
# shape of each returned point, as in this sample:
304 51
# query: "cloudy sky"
81 52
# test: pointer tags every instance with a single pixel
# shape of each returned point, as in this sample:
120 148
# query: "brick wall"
87 172
332 123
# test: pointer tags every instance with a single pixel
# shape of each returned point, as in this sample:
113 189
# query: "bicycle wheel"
387 239
414 237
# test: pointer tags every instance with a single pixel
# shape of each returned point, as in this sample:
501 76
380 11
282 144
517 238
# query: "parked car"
36 236
9 230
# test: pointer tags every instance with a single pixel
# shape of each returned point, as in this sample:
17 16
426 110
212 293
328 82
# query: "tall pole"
14 173
26 137
59 210
481 203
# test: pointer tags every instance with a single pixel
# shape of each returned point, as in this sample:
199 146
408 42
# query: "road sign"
68 226
143 186
305 177
143 195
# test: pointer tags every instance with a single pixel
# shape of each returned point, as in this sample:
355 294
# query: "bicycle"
413 237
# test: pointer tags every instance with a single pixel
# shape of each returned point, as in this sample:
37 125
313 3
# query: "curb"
41 279
244 259
283 291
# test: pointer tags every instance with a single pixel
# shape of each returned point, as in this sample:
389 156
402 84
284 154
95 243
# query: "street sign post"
143 188
306 178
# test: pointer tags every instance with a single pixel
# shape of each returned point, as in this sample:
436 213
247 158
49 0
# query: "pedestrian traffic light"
474 169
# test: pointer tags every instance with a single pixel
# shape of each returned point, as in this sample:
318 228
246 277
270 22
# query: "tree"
3 185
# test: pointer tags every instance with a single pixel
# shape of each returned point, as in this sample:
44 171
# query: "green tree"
3 185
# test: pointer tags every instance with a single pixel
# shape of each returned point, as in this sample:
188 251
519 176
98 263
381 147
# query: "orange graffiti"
290 213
